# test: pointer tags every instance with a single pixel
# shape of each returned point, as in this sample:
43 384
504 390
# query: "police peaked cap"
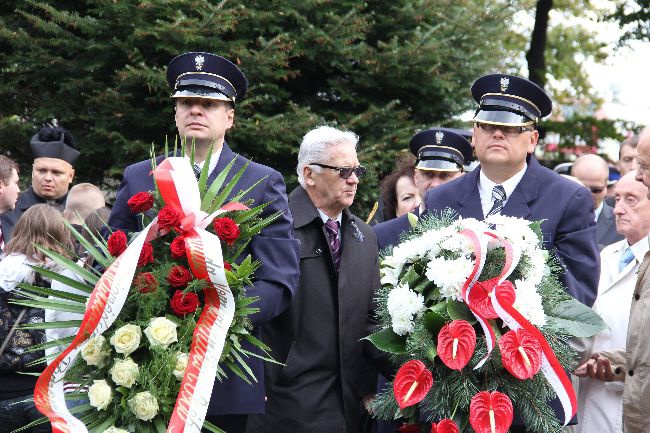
441 149
206 75
509 100
53 149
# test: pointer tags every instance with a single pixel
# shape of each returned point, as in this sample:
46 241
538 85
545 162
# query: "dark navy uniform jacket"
275 247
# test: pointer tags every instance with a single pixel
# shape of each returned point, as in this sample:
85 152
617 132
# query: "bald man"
592 171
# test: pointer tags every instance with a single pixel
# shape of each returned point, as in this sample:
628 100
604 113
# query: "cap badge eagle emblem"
198 62
505 82
439 136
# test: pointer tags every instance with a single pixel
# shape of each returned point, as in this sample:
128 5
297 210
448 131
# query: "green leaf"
208 199
71 282
432 352
47 292
574 318
159 423
459 311
52 325
413 219
434 321
84 273
211 427
388 341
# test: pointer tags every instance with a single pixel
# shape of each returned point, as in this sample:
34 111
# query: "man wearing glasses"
318 388
511 182
593 172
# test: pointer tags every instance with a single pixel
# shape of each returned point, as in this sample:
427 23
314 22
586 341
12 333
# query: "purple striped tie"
334 241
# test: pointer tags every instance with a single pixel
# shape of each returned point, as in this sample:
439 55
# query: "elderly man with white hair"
325 375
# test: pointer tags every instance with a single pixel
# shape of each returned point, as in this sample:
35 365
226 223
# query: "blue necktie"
499 196
626 258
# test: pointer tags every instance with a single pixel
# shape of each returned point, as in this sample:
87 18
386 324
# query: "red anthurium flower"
411 384
480 299
444 426
456 344
521 353
490 412
409 428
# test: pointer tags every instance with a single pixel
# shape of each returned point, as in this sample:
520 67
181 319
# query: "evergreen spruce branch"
257 227
384 406
70 282
211 193
90 276
47 292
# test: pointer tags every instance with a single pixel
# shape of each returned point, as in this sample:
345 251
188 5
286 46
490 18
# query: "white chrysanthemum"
449 275
471 224
403 304
402 325
457 243
516 230
529 303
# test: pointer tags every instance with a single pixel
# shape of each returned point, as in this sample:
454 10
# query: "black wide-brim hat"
53 149
206 75
509 100
440 149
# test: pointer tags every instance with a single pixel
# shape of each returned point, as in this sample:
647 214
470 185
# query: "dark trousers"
228 423
15 413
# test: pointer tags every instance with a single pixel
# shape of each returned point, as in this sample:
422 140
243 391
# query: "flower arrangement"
167 315
474 314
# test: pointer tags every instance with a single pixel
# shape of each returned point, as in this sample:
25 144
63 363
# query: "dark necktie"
197 171
499 196
332 228
2 239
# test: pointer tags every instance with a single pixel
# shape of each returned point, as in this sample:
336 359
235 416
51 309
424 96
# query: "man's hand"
366 402
598 367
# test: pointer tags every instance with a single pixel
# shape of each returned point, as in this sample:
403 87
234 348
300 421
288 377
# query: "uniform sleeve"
278 250
577 250
121 216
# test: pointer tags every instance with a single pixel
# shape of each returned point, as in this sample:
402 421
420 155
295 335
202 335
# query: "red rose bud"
227 266
117 243
490 412
480 300
409 428
177 247
456 344
140 202
146 255
226 229
521 353
169 218
183 304
444 426
179 276
411 384
145 282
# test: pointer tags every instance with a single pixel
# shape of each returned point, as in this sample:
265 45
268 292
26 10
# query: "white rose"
181 365
144 405
100 394
125 372
161 332
127 339
95 351
113 429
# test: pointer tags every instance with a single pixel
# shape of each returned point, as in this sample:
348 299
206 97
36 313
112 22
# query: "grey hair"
315 145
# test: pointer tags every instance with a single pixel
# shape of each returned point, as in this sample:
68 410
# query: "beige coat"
634 363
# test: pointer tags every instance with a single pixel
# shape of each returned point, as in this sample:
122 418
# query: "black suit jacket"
606 233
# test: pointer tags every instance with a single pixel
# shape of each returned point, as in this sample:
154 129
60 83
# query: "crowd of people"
320 262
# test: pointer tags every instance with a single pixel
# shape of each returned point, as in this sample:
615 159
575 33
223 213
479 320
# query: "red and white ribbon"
551 367
179 189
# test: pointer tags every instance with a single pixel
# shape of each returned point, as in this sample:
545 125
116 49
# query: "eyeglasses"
597 189
507 130
345 172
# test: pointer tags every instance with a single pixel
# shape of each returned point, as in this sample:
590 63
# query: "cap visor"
199 93
502 118
437 165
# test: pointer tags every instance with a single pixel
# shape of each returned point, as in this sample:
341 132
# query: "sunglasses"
345 172
507 130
